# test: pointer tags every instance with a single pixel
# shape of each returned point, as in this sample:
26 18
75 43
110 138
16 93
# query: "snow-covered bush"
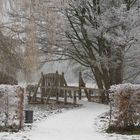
11 107
7 79
125 105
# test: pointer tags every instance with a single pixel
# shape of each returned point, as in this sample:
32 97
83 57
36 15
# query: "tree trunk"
100 83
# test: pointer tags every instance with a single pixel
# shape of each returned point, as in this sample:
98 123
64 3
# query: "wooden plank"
63 88
34 96
71 89
74 88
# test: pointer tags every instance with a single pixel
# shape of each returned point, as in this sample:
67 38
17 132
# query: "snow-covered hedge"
7 79
11 107
125 104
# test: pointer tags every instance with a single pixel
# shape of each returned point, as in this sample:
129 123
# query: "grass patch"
124 131
13 128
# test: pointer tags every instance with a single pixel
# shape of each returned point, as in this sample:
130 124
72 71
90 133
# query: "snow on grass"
102 123
41 113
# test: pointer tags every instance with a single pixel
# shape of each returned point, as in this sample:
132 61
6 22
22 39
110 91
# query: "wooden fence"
54 85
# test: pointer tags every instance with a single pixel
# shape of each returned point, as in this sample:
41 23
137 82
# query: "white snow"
75 124
70 125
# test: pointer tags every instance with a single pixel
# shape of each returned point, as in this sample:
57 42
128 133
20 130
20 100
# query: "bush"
11 107
128 130
7 79
125 106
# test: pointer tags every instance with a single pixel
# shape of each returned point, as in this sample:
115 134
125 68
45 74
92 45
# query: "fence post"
43 87
80 94
57 97
65 96
89 95
74 98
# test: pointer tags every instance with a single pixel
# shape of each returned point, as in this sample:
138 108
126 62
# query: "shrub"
11 107
125 106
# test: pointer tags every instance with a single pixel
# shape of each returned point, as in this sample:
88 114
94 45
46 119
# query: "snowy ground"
73 124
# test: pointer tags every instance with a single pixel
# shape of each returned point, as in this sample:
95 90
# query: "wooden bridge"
54 86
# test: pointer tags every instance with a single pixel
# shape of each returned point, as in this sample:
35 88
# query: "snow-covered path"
70 125
75 124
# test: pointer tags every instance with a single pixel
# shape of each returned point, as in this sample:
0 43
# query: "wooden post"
62 84
65 96
74 98
70 95
89 95
43 87
80 94
57 97
56 84
63 79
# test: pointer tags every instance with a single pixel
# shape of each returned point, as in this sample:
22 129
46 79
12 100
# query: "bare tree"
10 59
38 23
99 33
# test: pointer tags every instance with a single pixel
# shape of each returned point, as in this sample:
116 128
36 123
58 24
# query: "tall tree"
38 27
100 32
10 56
